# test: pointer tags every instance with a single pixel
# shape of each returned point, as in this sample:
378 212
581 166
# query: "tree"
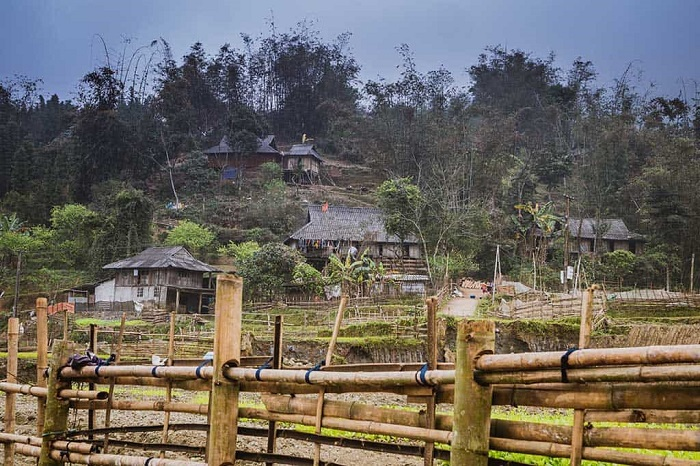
618 265
268 270
194 237
240 252
308 278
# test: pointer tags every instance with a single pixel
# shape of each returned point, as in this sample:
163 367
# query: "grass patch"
86 322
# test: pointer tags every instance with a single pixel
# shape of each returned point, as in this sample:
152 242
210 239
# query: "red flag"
324 207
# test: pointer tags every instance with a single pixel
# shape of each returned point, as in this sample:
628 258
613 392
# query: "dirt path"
463 307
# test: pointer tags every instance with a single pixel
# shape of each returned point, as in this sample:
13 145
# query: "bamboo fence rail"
633 386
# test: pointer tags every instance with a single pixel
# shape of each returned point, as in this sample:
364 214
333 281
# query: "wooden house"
336 229
232 164
302 164
598 236
159 277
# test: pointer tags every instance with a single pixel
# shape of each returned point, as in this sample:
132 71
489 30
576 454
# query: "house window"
156 292
139 292
142 277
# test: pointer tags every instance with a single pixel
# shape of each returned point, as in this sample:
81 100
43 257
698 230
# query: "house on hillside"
302 164
598 236
337 229
158 277
232 164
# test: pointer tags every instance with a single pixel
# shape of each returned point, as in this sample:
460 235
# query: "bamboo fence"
630 386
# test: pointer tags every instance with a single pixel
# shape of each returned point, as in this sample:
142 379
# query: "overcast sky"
55 40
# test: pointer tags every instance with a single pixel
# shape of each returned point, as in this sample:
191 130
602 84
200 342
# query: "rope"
315 368
565 364
420 376
266 365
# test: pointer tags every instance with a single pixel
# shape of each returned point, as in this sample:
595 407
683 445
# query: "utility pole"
16 301
566 243
692 272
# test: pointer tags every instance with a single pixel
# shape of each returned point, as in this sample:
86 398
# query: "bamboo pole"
157 372
169 388
368 427
654 416
41 392
555 450
622 437
286 404
472 406
221 441
276 364
98 459
108 412
327 362
584 341
357 381
56 422
604 396
664 373
7 438
42 350
129 405
646 355
91 386
11 376
431 307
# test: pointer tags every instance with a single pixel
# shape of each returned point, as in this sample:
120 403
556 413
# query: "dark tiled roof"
304 149
346 224
265 146
606 228
176 257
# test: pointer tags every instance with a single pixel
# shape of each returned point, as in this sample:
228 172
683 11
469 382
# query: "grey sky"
54 40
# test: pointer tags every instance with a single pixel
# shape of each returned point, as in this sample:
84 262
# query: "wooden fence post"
12 349
276 364
56 422
42 350
472 403
223 421
583 341
432 305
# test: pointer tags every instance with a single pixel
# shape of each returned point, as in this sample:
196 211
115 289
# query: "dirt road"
463 307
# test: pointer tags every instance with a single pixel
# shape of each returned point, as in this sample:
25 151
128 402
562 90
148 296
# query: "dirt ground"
464 306
26 419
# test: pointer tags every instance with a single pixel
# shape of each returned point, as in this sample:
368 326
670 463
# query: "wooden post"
12 349
57 409
177 300
65 325
583 341
276 364
223 423
91 385
42 350
692 272
472 404
108 411
169 389
328 361
431 304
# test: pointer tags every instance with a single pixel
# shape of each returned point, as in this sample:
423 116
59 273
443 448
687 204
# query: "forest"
88 180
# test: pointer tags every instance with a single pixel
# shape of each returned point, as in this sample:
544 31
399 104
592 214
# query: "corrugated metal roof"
346 224
606 228
304 149
265 146
176 257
